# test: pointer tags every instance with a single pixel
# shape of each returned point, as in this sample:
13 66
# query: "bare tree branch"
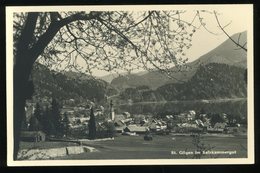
222 28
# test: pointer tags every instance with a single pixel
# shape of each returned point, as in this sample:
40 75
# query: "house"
143 121
220 125
188 116
154 121
189 125
119 117
199 123
154 127
127 114
136 129
68 112
119 123
120 129
119 126
207 123
33 136
214 130
168 117
128 121
79 120
192 113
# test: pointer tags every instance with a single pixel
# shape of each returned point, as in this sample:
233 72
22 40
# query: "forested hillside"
62 86
212 81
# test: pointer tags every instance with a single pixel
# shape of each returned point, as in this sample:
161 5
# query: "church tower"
112 113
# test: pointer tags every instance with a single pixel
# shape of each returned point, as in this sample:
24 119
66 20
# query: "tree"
231 119
110 129
200 145
34 124
66 124
55 117
92 125
35 121
131 93
216 118
105 40
38 112
47 122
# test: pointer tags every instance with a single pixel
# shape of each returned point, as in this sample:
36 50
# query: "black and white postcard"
129 85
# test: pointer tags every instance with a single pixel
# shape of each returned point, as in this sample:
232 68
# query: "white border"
248 8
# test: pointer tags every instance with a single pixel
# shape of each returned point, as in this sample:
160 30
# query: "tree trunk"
23 90
24 59
19 115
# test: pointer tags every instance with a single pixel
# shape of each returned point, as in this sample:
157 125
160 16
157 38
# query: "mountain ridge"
225 53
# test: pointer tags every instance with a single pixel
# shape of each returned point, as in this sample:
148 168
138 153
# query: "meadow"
163 147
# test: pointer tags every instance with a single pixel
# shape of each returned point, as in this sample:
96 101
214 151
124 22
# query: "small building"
143 121
119 123
136 129
155 127
127 114
120 129
220 125
119 126
33 136
128 121
119 117
168 117
214 130
199 123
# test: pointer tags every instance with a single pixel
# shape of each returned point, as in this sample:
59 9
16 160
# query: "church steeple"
112 113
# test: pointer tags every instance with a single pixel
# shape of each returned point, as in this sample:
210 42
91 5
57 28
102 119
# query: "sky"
204 41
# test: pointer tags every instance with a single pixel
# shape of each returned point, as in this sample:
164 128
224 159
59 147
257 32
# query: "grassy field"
162 147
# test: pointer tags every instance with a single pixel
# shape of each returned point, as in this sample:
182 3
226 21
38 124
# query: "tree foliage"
110 128
34 124
55 117
47 123
92 125
66 124
38 113
216 118
107 40
141 94
35 120
48 120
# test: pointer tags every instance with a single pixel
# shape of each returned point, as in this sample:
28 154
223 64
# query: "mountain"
108 78
129 81
77 75
67 85
225 53
140 94
211 81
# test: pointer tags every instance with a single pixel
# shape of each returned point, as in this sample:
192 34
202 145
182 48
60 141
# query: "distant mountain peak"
226 53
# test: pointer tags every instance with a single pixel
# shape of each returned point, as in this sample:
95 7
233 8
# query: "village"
111 124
